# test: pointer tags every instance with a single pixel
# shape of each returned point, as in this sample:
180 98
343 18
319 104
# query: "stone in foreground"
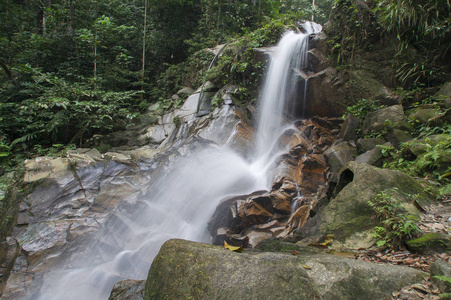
190 270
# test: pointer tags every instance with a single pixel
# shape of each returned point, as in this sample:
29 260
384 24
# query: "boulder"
349 127
431 242
323 94
445 94
367 144
128 290
372 157
185 91
348 216
424 115
339 154
398 136
184 269
382 119
441 268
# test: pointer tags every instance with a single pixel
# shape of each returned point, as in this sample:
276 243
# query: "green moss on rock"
431 242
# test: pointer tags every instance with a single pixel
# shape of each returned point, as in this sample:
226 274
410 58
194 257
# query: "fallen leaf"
294 252
233 248
307 267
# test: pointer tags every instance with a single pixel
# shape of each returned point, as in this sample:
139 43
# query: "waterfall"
180 202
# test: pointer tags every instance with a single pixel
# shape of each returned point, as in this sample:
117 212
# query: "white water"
180 203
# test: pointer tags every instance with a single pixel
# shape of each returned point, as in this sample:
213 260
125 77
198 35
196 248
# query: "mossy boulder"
349 217
190 270
431 242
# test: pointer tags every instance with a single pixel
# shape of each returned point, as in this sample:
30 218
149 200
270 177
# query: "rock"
349 127
120 157
9 251
424 115
311 173
227 94
338 155
207 86
184 269
153 107
85 154
445 94
322 94
382 119
397 136
154 134
430 243
143 153
349 212
128 290
46 167
372 157
441 268
185 91
367 144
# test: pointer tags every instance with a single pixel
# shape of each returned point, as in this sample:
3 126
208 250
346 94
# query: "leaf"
307 267
294 252
233 248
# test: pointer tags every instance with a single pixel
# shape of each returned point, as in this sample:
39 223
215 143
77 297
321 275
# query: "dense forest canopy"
73 68
70 69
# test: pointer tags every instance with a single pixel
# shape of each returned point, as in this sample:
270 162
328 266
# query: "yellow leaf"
307 267
233 248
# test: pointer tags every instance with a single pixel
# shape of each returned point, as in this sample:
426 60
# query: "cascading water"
179 203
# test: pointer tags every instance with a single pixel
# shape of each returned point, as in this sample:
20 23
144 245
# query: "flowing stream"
180 202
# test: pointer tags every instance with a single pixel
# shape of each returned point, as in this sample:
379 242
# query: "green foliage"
362 107
396 224
432 160
447 281
424 25
353 27
49 110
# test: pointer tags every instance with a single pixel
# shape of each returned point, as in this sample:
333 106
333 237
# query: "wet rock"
128 290
281 201
322 92
311 173
188 269
256 236
72 198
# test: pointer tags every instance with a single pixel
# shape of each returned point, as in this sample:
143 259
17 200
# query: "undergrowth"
397 225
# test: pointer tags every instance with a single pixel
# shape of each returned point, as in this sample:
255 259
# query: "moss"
430 242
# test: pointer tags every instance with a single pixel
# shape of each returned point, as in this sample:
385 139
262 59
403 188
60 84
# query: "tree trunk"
144 48
70 28
313 7
7 71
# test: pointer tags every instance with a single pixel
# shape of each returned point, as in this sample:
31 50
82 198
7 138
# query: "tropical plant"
397 225
425 26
